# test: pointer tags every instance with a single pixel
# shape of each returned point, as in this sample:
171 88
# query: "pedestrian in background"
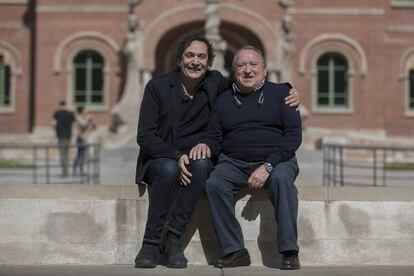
63 120
82 122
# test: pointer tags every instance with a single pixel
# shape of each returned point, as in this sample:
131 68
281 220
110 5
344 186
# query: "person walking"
63 120
82 122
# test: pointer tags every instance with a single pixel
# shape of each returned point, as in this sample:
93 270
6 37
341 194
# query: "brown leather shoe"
238 258
290 262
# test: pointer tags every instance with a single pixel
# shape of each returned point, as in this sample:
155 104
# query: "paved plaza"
129 270
118 166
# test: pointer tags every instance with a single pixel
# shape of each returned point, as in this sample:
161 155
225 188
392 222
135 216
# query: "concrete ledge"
84 191
87 224
69 191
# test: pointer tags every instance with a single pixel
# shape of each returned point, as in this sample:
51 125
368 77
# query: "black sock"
290 253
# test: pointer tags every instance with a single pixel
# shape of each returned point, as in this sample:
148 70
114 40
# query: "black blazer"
160 115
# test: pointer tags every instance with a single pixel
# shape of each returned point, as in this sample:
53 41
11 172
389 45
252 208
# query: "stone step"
95 224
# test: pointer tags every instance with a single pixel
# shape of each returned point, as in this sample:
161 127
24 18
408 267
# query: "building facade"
352 61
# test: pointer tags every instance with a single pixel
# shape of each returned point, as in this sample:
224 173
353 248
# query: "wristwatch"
268 167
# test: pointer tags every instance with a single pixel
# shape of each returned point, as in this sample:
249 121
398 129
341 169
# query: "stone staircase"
87 224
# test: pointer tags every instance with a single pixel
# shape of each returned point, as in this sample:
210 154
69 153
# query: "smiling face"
194 61
249 70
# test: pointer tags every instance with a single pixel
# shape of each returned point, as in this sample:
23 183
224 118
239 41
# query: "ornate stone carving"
125 112
212 29
287 23
134 2
287 47
133 21
285 3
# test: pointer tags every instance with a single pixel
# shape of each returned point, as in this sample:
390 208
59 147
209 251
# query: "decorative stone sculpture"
285 3
212 29
125 112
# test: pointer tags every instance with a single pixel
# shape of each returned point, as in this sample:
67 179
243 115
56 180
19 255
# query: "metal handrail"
41 164
340 167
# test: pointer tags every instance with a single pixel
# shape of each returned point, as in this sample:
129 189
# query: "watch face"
268 167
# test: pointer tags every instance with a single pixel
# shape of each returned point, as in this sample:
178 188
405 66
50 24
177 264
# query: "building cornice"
11 25
337 11
402 4
82 9
400 28
14 2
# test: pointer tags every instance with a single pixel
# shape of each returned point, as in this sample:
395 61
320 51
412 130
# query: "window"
88 79
332 81
411 91
4 84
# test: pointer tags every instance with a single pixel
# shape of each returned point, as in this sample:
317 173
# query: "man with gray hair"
257 135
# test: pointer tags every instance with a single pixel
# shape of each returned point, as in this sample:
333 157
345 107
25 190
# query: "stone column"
286 47
273 75
212 29
287 51
125 112
146 75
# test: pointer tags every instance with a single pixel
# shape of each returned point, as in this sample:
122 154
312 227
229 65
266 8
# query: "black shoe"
238 258
290 262
147 256
173 252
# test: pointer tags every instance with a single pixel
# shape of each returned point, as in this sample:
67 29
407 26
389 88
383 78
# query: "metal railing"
360 165
41 164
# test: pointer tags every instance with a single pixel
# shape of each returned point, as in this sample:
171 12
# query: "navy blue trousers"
228 178
163 177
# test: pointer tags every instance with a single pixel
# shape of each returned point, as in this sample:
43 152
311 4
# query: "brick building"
353 60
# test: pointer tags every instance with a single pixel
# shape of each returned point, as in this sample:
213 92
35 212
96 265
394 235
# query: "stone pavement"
118 158
129 270
118 165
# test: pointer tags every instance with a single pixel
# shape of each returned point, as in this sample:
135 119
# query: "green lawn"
399 166
14 164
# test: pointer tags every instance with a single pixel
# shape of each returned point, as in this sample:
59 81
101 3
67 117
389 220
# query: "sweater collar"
237 89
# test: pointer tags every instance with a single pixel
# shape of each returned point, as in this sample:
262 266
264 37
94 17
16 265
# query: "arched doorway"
236 37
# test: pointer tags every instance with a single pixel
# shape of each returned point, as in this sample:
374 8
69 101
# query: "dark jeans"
163 176
80 156
64 154
228 178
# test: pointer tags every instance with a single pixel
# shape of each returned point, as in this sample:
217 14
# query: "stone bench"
98 224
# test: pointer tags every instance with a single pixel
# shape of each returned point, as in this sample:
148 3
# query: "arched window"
411 90
5 99
332 81
88 79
